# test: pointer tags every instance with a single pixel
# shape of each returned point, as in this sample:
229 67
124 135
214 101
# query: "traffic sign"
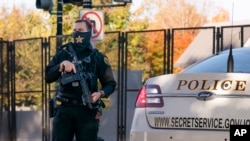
97 22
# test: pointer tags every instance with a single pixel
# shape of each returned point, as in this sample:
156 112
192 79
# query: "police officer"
71 116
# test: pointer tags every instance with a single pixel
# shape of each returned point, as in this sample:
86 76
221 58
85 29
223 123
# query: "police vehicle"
198 104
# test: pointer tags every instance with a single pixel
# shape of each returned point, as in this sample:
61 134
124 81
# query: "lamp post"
47 5
59 30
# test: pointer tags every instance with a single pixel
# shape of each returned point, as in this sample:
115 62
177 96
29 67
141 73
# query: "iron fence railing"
22 64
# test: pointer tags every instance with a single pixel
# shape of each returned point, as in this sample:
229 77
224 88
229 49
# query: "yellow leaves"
19 24
28 65
222 16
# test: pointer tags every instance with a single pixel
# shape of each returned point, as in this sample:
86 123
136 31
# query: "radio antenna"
230 60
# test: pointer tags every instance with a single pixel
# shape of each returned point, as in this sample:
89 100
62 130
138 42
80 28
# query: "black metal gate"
22 64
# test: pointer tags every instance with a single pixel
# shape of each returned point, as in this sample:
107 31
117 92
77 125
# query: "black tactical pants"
70 120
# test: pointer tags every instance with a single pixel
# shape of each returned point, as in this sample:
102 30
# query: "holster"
51 108
98 104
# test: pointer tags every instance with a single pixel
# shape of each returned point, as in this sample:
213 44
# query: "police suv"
198 104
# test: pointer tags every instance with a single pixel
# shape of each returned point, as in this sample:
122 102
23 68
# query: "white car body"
195 107
192 106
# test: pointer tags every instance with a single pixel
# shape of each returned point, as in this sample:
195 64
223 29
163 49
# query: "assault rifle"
78 76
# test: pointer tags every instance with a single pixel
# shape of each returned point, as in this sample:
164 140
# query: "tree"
162 14
16 24
145 50
221 16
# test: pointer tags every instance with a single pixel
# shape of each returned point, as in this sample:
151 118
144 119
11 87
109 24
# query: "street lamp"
44 4
48 4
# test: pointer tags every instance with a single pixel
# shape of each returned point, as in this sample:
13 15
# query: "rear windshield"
218 63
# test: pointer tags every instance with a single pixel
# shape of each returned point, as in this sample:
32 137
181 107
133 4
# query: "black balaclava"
82 40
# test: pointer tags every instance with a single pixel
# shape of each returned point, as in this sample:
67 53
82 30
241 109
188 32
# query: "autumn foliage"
145 48
176 14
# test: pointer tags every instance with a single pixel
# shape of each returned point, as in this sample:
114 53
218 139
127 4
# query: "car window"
218 63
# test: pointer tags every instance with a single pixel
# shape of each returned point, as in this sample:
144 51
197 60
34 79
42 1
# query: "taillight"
149 96
141 98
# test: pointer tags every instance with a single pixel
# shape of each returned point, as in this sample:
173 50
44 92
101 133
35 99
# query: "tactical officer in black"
71 116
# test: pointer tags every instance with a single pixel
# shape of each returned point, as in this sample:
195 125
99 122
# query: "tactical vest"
88 67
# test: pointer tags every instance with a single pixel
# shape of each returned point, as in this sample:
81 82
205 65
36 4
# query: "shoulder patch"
106 60
64 46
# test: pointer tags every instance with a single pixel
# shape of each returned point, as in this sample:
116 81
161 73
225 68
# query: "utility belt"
59 100
62 101
65 101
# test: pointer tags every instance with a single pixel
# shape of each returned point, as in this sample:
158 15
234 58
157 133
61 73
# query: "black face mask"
81 40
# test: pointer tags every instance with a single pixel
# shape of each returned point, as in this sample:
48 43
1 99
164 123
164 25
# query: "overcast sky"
239 7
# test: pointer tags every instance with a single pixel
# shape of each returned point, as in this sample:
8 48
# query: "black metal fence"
22 64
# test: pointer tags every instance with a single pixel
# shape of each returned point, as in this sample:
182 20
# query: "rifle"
78 76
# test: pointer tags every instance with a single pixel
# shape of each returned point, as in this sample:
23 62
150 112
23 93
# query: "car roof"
240 56
236 50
